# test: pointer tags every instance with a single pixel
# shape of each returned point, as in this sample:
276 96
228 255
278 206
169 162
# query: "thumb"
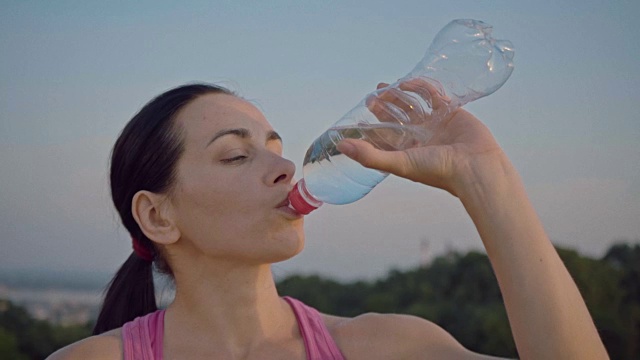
393 162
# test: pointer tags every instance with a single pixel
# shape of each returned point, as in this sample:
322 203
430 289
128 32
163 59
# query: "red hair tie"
142 252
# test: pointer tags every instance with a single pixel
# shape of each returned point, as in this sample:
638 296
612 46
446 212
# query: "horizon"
71 280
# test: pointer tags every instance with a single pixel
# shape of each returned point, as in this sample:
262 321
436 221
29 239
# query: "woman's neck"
237 305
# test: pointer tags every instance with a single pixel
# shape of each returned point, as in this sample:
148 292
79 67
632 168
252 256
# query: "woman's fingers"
425 165
430 90
393 162
398 104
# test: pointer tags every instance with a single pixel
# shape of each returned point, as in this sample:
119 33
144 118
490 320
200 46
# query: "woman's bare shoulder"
394 336
105 346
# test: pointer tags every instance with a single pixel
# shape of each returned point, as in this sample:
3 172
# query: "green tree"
466 301
30 338
625 259
327 296
9 346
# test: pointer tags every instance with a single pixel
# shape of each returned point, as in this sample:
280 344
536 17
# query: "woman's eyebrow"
242 133
272 135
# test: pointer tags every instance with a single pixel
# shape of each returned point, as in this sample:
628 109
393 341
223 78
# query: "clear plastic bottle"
463 63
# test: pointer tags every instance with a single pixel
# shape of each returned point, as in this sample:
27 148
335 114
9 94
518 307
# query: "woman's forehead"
213 112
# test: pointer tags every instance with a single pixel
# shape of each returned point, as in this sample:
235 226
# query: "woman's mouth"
284 202
286 208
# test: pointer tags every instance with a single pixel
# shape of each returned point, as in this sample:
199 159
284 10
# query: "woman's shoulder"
393 336
105 346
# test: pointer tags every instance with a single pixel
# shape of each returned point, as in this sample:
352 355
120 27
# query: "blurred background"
73 73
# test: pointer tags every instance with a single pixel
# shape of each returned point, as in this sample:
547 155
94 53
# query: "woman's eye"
234 159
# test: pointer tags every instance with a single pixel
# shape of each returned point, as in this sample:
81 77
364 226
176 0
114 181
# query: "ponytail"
130 294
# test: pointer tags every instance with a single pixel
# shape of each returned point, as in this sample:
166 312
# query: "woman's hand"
461 151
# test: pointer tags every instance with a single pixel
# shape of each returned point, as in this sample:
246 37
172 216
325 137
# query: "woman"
199 181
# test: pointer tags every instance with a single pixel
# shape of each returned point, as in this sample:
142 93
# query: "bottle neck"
301 199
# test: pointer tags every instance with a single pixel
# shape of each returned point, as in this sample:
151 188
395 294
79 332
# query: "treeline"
24 338
460 293
457 291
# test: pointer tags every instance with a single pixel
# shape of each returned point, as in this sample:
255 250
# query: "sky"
72 73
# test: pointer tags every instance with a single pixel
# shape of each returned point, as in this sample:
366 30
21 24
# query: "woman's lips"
284 202
285 207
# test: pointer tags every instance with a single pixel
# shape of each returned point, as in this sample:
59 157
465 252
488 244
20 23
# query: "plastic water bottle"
463 63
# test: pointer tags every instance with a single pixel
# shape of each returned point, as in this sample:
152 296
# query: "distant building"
425 253
58 306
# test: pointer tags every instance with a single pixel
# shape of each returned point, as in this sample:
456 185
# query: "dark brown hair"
144 158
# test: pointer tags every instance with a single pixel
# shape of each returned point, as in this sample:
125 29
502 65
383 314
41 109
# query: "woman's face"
230 199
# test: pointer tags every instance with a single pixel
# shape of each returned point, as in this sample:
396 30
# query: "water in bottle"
463 63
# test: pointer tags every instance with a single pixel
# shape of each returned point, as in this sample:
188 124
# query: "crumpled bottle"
463 63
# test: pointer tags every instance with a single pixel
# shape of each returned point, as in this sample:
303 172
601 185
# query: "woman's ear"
153 213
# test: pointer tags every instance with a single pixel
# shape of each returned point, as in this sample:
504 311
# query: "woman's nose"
281 171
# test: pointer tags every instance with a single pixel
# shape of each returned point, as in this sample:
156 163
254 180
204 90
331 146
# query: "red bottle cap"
301 200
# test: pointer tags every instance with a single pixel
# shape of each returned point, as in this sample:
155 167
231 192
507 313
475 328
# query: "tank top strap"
318 342
143 336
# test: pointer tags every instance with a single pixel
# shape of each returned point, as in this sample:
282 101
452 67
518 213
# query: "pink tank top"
142 337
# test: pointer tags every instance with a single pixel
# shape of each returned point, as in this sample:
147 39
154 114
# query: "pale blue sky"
73 72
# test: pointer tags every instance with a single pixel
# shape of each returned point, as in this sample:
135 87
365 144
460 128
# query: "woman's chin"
288 247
